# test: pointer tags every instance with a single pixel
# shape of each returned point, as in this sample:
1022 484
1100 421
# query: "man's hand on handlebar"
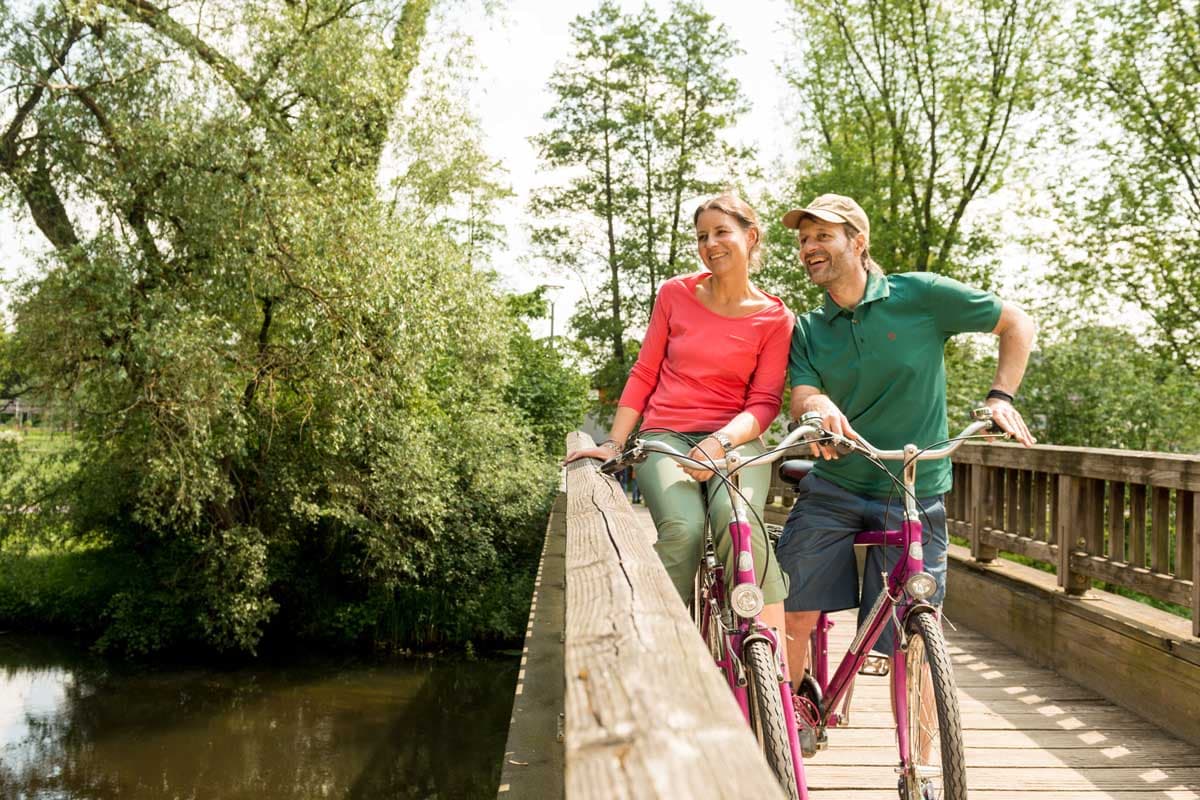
832 421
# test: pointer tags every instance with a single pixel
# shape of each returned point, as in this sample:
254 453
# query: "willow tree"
258 363
912 108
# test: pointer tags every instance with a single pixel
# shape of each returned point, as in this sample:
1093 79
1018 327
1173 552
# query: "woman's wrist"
611 444
722 439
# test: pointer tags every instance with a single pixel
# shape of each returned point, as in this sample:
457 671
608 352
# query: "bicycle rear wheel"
934 724
766 713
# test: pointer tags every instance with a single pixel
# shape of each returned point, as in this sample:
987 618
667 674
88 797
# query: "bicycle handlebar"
803 433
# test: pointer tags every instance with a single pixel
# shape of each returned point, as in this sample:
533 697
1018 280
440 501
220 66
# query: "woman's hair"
746 216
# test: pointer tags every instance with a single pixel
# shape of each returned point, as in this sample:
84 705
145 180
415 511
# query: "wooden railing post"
981 514
1071 509
1190 528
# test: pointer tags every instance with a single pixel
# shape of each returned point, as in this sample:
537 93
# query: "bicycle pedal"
876 665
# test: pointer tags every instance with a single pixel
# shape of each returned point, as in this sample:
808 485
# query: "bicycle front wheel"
938 766
766 713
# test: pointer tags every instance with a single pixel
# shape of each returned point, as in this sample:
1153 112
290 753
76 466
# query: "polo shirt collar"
877 289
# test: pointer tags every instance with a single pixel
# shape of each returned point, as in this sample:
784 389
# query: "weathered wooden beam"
1116 521
1140 579
1130 466
982 513
533 754
647 714
1160 529
1137 525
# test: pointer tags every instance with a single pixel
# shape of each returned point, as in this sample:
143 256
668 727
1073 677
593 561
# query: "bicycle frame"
898 600
892 607
713 608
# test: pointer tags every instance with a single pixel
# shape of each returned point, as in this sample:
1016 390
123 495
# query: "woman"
711 366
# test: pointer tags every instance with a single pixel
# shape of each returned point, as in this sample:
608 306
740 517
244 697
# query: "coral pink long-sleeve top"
697 369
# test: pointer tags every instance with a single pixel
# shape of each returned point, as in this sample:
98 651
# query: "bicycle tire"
929 670
766 713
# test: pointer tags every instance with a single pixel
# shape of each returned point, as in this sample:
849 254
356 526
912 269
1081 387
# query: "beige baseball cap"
831 208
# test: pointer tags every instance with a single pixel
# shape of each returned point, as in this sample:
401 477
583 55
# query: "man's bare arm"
1016 332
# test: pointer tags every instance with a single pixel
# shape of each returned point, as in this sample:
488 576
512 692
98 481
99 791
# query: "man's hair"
868 263
746 217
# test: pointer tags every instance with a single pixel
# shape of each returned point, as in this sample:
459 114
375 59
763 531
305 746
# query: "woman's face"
723 244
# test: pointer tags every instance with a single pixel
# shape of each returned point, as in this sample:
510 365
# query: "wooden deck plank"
1024 726
1163 793
1160 755
1033 780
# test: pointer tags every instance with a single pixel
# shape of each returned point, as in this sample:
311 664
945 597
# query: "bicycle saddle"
793 470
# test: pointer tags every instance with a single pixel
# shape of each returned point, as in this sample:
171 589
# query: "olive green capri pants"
677 507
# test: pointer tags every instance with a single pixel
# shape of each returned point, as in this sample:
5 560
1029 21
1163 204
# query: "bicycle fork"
747 602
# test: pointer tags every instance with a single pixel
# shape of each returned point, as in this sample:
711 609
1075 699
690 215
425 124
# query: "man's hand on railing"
1009 420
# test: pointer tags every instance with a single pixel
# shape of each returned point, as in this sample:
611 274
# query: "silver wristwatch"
724 439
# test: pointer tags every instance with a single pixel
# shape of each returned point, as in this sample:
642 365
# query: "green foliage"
288 395
970 368
1101 388
549 394
640 107
914 108
1133 223
446 179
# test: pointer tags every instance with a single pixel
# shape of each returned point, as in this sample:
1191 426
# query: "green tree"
1092 389
445 176
914 110
642 105
550 394
1133 227
264 360
580 232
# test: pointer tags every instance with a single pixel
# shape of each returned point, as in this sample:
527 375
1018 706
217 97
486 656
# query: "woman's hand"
709 449
600 451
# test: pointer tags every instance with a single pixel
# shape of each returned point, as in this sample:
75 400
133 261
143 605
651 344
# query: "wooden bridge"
1066 691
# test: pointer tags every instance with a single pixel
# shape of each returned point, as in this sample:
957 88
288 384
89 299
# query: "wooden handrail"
1123 517
647 714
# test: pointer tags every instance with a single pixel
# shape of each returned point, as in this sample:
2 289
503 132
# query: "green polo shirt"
882 363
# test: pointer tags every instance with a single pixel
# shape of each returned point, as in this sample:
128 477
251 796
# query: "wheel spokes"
923 732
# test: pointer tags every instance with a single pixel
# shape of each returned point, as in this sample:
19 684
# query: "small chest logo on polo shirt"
891 336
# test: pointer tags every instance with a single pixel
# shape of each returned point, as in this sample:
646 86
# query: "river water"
74 727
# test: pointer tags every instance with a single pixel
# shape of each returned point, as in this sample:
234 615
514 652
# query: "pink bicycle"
928 726
748 652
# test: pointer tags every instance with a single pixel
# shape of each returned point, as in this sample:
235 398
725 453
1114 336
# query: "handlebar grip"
613 465
843 445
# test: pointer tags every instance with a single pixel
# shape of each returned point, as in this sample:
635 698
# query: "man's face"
826 252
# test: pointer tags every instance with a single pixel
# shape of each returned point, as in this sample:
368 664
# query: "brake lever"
612 466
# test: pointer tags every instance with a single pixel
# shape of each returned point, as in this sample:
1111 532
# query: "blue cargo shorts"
816 549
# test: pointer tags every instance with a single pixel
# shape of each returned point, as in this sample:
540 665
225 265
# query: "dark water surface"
75 727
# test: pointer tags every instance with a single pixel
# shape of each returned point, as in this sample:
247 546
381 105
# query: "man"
870 362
